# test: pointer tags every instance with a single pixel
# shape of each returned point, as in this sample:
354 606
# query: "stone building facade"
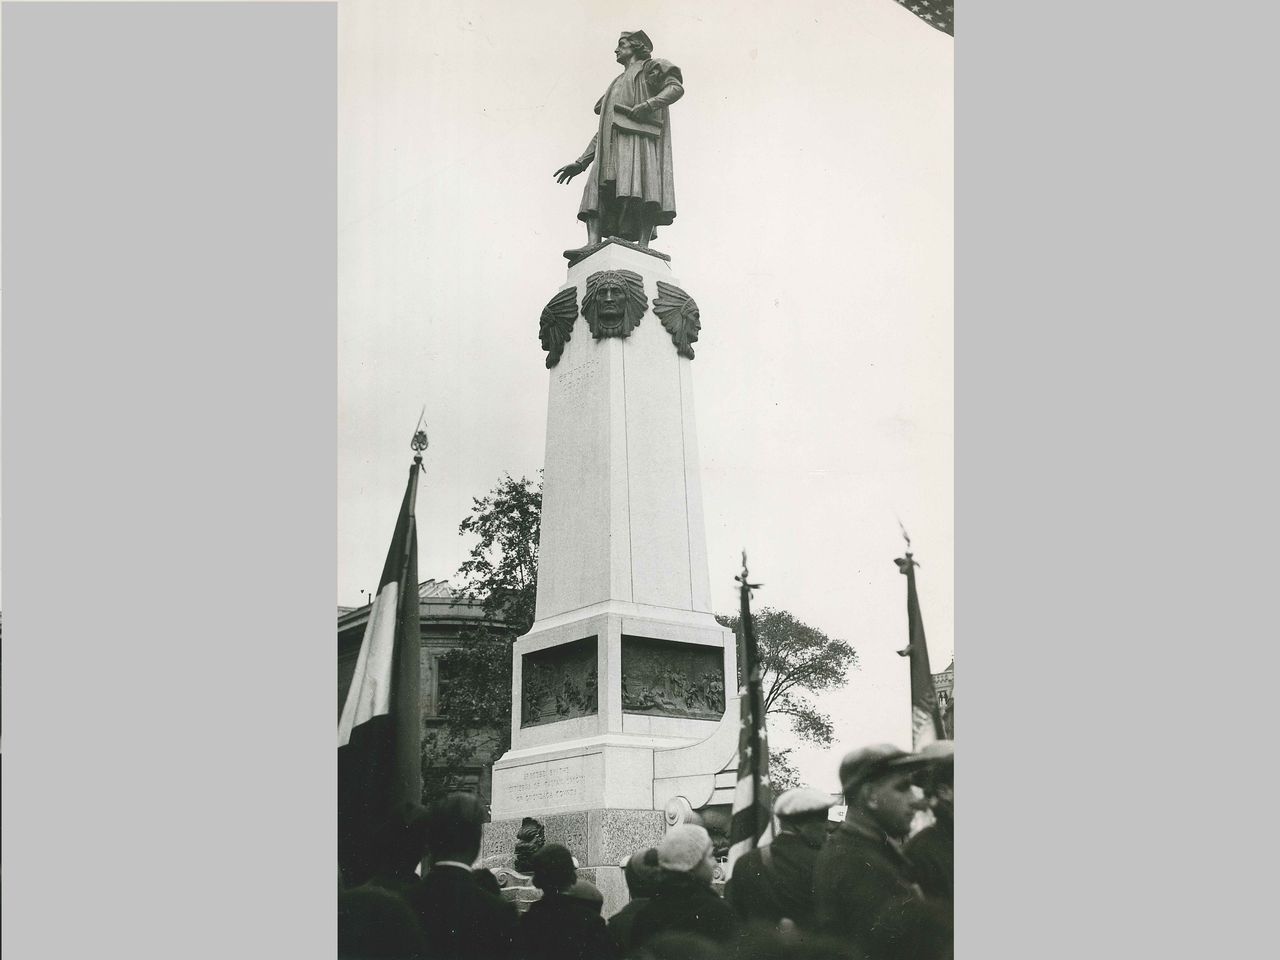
442 619
944 689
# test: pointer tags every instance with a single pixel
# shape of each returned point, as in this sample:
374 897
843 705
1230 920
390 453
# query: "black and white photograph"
597 373
645 455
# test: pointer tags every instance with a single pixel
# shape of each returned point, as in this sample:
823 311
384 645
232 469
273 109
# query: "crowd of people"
864 888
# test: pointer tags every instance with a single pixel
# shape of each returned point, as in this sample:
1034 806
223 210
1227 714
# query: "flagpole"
380 727
418 444
926 722
752 820
753 670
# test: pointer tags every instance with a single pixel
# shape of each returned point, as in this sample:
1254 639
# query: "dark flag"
379 734
941 15
926 724
752 824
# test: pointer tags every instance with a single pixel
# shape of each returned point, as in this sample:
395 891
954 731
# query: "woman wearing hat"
562 926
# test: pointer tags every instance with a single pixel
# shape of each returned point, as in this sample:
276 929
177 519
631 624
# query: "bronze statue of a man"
630 190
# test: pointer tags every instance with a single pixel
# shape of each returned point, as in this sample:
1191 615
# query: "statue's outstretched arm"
571 170
588 154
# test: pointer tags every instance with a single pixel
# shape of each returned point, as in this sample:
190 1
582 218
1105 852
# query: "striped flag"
937 13
752 824
380 731
926 723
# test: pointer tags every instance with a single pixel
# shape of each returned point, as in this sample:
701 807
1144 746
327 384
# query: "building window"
442 686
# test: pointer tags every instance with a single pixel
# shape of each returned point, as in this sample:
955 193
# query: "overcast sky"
813 172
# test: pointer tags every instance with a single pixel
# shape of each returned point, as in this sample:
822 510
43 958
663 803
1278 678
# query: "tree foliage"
783 774
500 576
794 658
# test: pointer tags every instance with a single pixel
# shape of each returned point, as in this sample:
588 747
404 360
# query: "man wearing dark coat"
643 875
630 190
460 920
684 901
931 852
864 893
775 882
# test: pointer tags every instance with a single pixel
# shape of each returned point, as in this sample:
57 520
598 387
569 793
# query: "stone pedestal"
625 669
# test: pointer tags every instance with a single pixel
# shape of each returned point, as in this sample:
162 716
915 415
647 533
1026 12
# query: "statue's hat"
638 35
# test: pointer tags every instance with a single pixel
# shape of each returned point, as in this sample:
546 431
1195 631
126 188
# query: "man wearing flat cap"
775 882
630 189
931 852
863 889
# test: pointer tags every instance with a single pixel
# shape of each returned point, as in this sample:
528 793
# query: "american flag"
926 723
939 15
752 824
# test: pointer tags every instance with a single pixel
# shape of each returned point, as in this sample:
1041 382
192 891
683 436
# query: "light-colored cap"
799 801
683 848
585 890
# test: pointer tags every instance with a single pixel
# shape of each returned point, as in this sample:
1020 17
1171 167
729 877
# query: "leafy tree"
783 774
502 572
501 577
796 657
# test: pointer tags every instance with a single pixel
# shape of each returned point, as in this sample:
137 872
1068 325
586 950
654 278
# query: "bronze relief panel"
669 679
559 683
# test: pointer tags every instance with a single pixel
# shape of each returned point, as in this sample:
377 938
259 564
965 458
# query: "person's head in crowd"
400 841
803 811
687 850
877 787
588 893
937 781
553 869
679 946
454 826
643 873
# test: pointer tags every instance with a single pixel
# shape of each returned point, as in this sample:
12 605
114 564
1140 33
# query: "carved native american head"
614 303
679 314
555 326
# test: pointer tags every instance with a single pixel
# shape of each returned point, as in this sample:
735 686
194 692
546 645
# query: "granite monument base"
598 839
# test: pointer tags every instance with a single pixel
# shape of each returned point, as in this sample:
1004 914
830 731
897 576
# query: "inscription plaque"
669 679
573 382
559 683
551 784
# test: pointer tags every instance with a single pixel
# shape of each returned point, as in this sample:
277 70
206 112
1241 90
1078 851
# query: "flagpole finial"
742 577
905 563
419 442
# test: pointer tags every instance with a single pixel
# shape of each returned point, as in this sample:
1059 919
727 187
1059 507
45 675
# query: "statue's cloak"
631 168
